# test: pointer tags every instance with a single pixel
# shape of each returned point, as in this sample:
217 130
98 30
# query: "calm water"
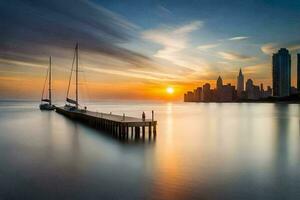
208 151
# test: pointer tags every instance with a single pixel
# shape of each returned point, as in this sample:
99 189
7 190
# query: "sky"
136 49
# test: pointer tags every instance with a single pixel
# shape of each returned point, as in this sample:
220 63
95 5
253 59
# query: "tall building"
240 84
298 72
206 96
249 85
189 96
281 73
198 94
227 93
219 84
253 91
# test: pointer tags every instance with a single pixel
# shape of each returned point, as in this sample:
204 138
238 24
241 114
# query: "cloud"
258 71
192 26
31 31
33 28
132 74
163 11
294 47
234 56
238 38
156 74
172 39
207 46
271 48
21 63
223 62
174 42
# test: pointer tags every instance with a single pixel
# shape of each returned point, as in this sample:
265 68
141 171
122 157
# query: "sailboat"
71 104
71 108
46 103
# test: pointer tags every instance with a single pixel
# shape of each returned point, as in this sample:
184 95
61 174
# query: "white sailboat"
71 104
46 102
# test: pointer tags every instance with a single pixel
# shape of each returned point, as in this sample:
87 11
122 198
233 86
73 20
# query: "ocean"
201 151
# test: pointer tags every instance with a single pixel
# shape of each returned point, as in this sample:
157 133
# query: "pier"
123 127
117 125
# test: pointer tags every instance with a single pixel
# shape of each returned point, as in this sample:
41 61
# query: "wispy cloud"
238 38
163 11
234 56
60 24
157 74
174 42
137 75
207 46
271 48
192 26
259 71
172 39
21 63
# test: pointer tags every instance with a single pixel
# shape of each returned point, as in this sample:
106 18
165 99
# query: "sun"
170 90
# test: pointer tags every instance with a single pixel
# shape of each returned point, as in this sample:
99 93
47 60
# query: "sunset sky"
137 49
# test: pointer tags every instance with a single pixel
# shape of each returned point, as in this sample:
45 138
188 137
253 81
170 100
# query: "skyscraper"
206 96
219 84
298 72
240 83
281 73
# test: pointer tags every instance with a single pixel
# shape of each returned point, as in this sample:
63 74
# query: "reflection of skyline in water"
201 150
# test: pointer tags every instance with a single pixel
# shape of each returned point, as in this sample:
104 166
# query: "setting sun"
170 90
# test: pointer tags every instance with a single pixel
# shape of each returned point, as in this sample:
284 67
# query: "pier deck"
117 125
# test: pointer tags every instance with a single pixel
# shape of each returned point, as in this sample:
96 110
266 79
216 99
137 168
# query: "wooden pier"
116 125
123 127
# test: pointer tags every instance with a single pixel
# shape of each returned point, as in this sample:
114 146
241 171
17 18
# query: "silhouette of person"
143 116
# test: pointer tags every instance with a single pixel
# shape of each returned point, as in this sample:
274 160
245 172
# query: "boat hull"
47 107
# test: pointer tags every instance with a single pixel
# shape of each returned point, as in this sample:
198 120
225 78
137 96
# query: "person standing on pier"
143 116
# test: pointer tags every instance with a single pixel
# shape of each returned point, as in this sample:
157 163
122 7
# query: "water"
202 151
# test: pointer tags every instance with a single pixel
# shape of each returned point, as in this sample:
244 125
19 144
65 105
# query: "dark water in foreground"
202 151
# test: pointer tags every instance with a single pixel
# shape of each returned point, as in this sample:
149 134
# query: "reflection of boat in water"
46 103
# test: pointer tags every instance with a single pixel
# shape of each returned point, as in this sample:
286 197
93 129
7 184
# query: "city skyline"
240 92
229 92
138 50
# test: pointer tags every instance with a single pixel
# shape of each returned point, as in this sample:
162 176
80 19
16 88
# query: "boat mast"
50 101
76 49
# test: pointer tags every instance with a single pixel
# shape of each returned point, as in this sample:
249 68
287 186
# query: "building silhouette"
298 72
265 93
240 84
281 73
219 83
198 94
206 93
294 90
227 93
223 93
253 91
189 97
218 91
